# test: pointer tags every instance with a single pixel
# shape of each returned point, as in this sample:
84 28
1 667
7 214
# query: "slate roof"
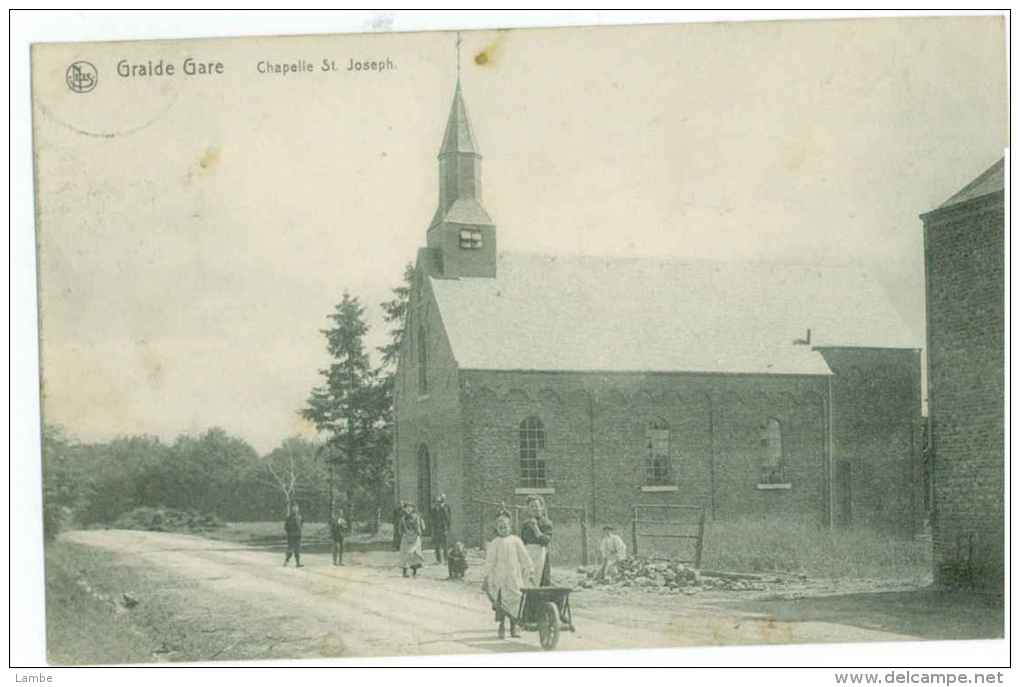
990 181
464 211
457 138
661 315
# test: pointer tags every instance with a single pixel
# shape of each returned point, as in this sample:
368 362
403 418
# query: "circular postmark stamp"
81 76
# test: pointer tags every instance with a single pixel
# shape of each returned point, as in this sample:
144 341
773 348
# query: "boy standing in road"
338 528
292 526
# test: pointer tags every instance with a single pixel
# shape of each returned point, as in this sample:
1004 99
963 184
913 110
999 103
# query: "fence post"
701 540
584 536
633 529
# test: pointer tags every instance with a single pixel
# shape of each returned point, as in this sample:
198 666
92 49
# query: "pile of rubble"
662 576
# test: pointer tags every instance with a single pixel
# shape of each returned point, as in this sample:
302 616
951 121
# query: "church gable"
427 364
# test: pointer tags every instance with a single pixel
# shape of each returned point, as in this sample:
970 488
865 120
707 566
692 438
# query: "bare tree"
285 474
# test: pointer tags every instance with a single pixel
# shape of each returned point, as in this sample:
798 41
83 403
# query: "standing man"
292 526
440 526
338 528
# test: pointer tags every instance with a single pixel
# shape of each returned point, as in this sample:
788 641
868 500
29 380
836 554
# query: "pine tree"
395 314
347 407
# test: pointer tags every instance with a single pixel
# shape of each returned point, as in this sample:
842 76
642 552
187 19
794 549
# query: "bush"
166 520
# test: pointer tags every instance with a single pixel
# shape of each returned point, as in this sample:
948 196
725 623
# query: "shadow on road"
925 613
485 640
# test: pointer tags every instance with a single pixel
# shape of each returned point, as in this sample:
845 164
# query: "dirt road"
246 605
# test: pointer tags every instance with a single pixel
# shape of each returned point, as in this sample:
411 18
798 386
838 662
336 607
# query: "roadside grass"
84 624
790 546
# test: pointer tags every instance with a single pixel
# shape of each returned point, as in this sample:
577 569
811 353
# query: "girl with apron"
536 533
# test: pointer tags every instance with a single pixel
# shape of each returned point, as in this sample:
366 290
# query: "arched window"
423 363
532 436
424 479
772 463
658 466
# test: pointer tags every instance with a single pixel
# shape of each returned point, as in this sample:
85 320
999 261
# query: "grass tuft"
790 546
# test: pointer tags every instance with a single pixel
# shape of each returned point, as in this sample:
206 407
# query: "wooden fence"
663 527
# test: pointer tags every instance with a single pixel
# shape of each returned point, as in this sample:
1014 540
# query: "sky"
195 231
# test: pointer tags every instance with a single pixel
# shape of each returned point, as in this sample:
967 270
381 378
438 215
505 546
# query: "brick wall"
596 429
432 419
876 401
964 248
596 440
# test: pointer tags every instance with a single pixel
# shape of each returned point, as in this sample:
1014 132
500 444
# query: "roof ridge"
676 259
965 193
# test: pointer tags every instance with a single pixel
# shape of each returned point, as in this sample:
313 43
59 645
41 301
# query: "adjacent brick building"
602 383
964 261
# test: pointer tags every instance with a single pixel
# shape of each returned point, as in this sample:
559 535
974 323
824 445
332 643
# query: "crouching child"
456 561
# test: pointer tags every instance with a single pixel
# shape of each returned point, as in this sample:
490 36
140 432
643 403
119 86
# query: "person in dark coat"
398 515
338 529
292 526
440 526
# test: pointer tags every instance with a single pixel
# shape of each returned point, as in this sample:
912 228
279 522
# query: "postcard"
525 340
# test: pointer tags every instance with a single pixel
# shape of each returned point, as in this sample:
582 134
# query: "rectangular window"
658 470
772 462
532 436
470 238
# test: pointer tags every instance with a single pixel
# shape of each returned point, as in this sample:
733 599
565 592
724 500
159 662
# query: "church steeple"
461 235
460 164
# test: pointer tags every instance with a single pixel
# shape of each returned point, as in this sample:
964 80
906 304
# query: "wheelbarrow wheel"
549 626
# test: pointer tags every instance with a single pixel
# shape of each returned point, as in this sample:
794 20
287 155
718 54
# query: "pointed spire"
458 137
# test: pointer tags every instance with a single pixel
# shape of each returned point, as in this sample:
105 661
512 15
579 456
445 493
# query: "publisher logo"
81 77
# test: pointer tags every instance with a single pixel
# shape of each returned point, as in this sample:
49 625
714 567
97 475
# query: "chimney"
806 341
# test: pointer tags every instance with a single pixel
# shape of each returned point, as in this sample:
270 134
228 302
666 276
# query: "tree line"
349 464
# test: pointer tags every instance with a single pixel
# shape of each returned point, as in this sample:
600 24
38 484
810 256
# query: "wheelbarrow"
547 611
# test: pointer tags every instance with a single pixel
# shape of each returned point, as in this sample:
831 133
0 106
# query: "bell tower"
461 237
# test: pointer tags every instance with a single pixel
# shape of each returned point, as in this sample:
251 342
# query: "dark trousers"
338 551
439 541
293 549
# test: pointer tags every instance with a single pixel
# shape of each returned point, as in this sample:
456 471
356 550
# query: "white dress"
507 566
